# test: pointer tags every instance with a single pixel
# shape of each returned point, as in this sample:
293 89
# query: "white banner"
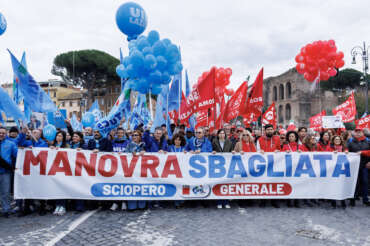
334 121
43 173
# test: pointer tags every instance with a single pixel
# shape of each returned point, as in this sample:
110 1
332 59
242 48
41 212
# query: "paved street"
194 226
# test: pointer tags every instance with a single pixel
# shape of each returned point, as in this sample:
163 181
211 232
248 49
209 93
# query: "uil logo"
137 16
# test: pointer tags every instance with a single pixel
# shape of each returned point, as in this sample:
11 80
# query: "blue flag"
76 125
160 110
95 109
33 94
9 107
174 96
113 119
187 88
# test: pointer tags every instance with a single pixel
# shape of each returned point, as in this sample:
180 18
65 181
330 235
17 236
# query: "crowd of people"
229 139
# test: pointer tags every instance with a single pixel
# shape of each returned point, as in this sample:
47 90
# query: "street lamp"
364 52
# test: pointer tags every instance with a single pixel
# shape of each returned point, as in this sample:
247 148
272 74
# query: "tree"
345 79
86 68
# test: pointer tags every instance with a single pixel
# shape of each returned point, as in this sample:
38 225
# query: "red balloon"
332 72
300 68
339 64
324 76
340 55
309 77
299 58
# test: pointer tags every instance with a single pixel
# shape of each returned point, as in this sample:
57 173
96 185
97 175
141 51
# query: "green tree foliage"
345 79
86 68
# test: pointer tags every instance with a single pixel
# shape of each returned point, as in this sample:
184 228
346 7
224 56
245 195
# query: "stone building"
294 99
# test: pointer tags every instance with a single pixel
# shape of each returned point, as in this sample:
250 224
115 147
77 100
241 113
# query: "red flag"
347 109
364 122
254 104
185 110
316 121
269 117
203 95
235 105
202 118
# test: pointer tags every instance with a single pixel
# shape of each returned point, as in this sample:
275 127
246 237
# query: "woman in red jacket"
309 144
292 142
324 142
338 145
291 146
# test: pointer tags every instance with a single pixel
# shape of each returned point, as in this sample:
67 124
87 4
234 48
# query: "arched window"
281 114
281 92
288 113
288 90
275 94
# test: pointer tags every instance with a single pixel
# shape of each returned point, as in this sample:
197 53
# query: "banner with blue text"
44 173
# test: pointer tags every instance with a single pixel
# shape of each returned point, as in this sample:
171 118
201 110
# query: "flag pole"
150 104
214 98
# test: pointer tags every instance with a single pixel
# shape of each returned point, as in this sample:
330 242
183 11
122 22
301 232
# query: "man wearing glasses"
199 143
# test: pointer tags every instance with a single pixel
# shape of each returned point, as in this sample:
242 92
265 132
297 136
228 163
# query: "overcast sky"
243 35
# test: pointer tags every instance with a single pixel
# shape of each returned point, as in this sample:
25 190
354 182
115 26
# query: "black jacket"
104 145
355 146
228 146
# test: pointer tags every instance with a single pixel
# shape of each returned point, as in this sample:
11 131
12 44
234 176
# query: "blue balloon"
166 42
159 48
88 119
143 43
2 24
178 67
147 51
156 89
126 61
153 36
150 62
49 132
155 77
161 63
166 78
137 59
131 19
120 69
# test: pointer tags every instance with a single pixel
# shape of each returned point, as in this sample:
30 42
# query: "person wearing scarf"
136 146
245 143
358 144
309 145
324 142
337 145
60 141
199 143
292 142
222 144
292 146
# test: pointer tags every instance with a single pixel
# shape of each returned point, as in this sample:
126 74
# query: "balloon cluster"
221 81
150 63
317 61
131 19
2 24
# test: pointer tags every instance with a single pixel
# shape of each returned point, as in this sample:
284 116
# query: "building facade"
295 98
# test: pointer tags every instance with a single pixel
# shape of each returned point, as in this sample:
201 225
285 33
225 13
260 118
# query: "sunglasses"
245 135
199 132
135 135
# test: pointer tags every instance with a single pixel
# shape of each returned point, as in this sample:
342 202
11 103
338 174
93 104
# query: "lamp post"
364 52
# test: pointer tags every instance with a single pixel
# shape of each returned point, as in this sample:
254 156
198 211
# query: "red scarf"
338 148
361 138
248 147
